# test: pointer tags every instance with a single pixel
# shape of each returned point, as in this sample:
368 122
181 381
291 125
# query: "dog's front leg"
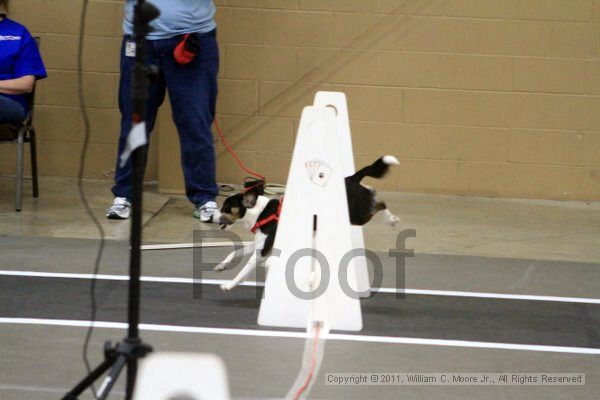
390 218
244 251
249 267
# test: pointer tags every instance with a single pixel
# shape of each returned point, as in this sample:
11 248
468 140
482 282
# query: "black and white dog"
260 215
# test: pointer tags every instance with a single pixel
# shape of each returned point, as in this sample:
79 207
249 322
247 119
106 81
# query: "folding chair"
21 134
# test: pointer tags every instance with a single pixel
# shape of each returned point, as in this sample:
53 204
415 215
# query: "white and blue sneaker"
121 209
206 211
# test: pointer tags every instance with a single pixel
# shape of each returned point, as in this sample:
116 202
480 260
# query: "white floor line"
175 246
506 296
421 292
303 335
155 279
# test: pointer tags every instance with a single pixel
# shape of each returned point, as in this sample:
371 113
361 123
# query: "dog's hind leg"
244 251
390 218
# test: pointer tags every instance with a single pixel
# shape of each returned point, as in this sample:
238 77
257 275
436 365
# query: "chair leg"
34 171
19 191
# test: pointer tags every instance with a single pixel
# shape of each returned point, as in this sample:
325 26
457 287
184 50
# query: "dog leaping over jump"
260 215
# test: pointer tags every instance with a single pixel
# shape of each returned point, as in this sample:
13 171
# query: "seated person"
20 66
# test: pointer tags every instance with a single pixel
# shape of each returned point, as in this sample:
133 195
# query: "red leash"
234 154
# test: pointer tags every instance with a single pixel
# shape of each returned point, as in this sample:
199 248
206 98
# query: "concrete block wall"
476 97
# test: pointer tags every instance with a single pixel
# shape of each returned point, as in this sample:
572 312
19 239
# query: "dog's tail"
376 170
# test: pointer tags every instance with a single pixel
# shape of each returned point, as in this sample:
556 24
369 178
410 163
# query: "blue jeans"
193 95
11 111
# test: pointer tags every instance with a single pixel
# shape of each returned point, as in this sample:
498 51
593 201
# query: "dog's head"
235 206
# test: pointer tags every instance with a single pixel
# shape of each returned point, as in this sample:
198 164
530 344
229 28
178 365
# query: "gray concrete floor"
255 365
468 244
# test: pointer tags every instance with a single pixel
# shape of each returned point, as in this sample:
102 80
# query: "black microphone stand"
127 352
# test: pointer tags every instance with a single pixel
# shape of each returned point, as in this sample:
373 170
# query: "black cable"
226 189
82 195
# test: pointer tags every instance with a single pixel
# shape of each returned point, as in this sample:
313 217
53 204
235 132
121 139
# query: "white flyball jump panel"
315 187
181 375
339 102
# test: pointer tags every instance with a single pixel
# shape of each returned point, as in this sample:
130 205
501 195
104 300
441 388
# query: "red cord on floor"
309 377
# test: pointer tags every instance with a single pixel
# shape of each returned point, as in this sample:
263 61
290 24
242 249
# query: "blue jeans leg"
11 111
193 95
156 95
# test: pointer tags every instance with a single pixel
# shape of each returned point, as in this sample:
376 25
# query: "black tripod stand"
127 352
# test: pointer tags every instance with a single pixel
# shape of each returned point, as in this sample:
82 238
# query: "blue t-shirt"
177 17
19 55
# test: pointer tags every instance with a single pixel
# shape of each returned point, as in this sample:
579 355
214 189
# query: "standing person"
183 45
20 66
